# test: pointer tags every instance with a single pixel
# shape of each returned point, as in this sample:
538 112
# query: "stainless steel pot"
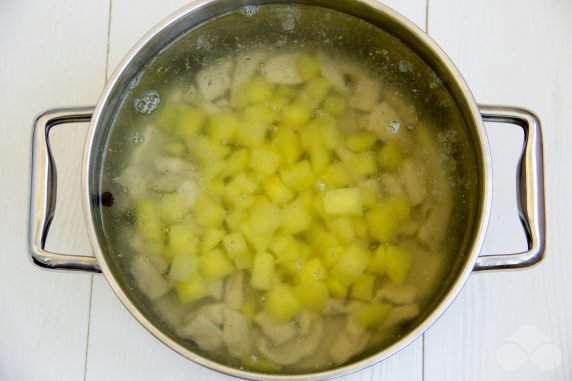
530 184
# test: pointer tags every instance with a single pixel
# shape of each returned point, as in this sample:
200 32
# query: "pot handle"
529 190
43 192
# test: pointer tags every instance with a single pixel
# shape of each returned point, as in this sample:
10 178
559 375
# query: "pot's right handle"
43 189
529 190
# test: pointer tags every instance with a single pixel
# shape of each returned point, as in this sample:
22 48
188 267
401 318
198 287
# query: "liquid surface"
287 196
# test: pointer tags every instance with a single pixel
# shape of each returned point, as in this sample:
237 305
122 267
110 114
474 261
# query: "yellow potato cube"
257 240
313 295
148 219
320 157
331 255
264 160
256 90
183 267
210 170
183 239
192 290
314 92
296 218
176 148
343 228
251 135
313 269
362 288
298 177
360 227
260 114
211 238
385 221
285 247
343 202
204 150
308 67
166 115
390 156
351 264
296 114
361 141
209 211
371 316
364 163
277 191
329 132
398 262
222 127
378 263
265 217
335 105
370 193
190 122
336 175
235 219
286 142
310 135
236 162
336 288
215 265
244 261
281 303
234 245
263 269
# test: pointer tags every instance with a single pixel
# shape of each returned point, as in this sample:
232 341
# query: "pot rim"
481 221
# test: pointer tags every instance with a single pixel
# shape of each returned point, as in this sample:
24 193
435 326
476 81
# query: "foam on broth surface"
288 195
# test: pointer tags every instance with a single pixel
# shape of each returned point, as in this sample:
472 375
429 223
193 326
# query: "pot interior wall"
190 42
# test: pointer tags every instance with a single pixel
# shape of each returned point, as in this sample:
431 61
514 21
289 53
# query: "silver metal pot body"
530 189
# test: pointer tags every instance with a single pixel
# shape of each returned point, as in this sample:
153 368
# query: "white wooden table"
503 326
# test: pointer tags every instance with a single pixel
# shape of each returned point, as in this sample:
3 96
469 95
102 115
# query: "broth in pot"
288 194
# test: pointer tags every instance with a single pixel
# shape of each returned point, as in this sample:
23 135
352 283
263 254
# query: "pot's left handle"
43 190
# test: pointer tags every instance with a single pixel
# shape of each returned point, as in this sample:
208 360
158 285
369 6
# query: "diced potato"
234 245
313 295
329 132
378 263
361 141
315 92
336 175
235 219
343 228
192 290
212 169
244 261
370 193
222 127
364 163
208 211
264 160
320 157
256 90
335 105
281 303
336 288
295 217
259 114
390 156
371 315
248 309
204 149
362 288
298 177
251 135
176 148
313 269
331 255
310 135
265 217
308 67
285 247
296 114
398 262
211 238
351 264
183 267
258 240
190 122
183 239
286 142
385 221
148 220
262 275
360 227
343 202
277 191
215 265
236 162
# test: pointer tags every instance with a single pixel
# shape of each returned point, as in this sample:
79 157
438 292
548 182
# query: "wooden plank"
119 348
512 325
54 55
